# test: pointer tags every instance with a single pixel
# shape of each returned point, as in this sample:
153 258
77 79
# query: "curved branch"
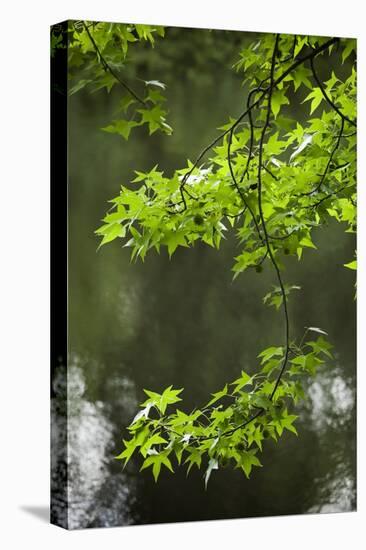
326 96
339 137
251 125
257 102
240 192
266 237
108 68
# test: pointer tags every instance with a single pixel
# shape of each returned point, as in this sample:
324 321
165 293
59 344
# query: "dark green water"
184 322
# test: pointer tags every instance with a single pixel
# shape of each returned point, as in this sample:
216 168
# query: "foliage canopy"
270 178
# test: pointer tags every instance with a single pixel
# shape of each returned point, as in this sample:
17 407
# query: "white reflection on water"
332 401
95 496
337 493
331 409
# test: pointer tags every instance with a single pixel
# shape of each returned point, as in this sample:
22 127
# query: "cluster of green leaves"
233 426
158 211
56 39
271 178
97 56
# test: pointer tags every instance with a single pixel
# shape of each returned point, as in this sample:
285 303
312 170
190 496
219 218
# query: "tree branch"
240 192
107 67
339 137
326 97
257 102
266 237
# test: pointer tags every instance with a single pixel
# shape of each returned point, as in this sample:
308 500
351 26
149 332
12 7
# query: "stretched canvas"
203 193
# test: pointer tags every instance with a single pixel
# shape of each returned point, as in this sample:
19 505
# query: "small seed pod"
198 219
224 461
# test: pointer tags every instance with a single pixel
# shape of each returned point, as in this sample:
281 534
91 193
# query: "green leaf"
269 353
79 86
173 239
351 265
130 447
195 457
132 444
300 43
155 439
261 401
246 460
321 345
316 98
121 127
217 396
256 436
300 77
242 381
274 146
287 422
168 397
156 461
349 48
278 99
155 118
111 232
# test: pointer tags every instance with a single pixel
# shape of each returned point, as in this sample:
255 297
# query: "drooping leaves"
271 188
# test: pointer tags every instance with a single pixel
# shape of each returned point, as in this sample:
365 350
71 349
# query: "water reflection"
336 493
96 496
331 411
332 400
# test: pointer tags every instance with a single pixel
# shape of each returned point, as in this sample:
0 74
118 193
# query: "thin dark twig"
257 102
251 125
248 421
282 237
108 68
269 172
266 237
263 258
190 195
292 54
236 215
326 96
294 46
315 204
232 430
341 165
237 186
339 137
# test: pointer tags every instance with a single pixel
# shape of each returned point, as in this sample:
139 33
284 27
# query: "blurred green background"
185 322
